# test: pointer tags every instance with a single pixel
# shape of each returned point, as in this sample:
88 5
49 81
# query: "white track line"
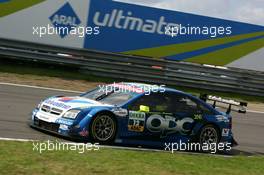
120 147
71 91
19 140
39 87
257 112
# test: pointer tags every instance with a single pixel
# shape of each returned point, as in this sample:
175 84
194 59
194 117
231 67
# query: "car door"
156 116
138 113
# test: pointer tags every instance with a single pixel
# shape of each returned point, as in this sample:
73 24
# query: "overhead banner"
36 21
132 29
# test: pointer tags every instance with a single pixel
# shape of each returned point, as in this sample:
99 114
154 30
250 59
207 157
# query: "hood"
55 107
67 103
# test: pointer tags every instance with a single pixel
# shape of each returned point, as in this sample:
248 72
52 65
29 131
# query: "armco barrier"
139 68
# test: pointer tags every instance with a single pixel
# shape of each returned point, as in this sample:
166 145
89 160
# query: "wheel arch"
215 125
200 127
105 112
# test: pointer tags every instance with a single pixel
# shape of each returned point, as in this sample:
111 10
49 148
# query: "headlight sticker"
72 114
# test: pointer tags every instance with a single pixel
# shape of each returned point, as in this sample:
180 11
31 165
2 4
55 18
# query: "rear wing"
241 107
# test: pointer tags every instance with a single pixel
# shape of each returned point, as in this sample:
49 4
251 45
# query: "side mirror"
143 108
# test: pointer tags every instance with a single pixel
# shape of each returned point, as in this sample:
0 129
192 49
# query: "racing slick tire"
210 135
103 129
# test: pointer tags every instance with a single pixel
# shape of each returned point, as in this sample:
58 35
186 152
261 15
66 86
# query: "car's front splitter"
56 129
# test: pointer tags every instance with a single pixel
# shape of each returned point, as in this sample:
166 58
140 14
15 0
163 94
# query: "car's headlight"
72 114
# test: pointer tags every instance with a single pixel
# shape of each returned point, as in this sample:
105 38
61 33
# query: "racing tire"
103 129
209 135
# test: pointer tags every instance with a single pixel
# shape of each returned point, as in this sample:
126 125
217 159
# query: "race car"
135 114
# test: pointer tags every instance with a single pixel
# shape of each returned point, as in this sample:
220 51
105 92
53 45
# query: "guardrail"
138 68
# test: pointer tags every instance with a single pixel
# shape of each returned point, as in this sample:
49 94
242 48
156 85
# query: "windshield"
113 97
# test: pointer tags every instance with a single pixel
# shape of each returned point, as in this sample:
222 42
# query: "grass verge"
19 158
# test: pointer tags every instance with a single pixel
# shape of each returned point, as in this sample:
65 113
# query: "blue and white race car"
136 114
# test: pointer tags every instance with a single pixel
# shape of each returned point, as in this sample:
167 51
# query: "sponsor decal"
220 99
120 112
84 132
168 124
65 19
74 100
225 132
126 20
64 127
136 121
222 118
57 104
122 20
198 117
64 121
66 99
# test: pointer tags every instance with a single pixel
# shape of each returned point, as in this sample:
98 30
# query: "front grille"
55 111
51 110
46 125
45 108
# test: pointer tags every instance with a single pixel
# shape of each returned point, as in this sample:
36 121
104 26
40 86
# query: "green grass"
7 66
30 68
16 5
19 158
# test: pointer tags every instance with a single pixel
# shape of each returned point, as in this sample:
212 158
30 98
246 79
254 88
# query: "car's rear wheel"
103 129
210 136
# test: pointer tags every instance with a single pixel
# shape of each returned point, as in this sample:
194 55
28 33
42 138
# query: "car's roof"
145 85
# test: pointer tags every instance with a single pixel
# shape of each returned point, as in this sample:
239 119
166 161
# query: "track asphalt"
17 102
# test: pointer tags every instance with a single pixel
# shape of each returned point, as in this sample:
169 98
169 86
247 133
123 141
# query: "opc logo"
168 124
66 18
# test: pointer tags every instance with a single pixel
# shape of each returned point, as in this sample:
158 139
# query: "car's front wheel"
103 129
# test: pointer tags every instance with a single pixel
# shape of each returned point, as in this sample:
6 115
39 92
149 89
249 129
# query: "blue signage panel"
125 27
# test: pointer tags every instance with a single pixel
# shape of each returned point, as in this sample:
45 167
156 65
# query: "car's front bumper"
229 139
59 129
